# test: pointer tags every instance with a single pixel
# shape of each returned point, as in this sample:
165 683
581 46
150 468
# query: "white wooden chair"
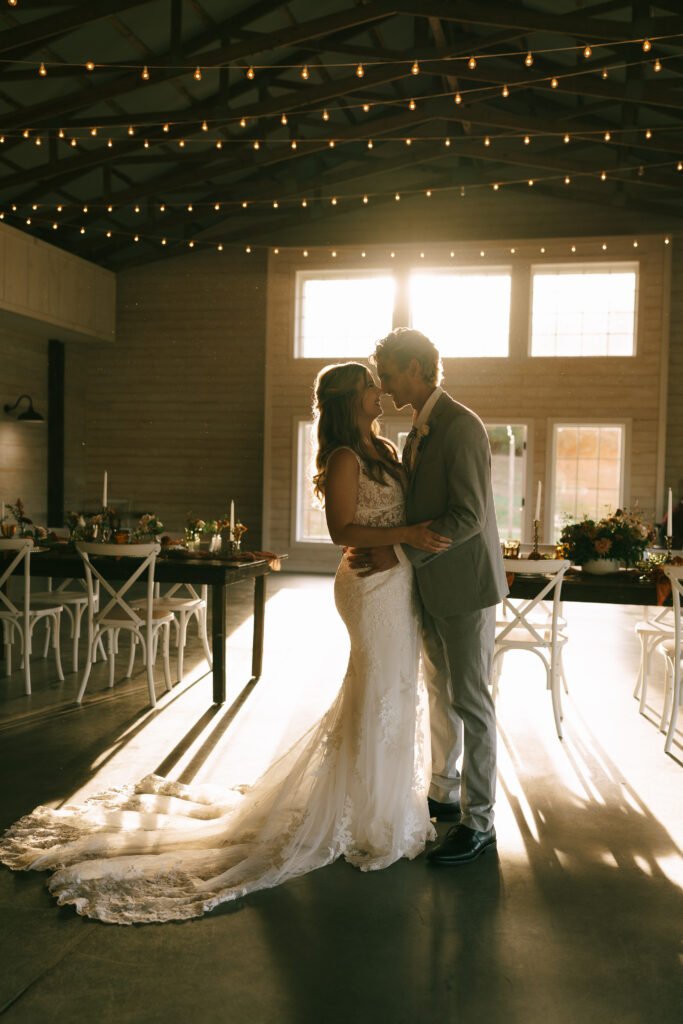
656 625
117 612
184 606
19 614
522 629
672 649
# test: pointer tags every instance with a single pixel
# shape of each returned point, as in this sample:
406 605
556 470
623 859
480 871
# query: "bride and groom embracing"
359 783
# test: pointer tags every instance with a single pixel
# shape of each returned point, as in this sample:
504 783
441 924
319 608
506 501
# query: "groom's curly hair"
404 344
335 413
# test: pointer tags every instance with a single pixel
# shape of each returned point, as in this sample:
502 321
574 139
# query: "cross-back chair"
672 649
526 626
120 610
18 614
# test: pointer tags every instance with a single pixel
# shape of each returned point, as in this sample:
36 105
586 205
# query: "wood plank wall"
175 407
673 473
518 389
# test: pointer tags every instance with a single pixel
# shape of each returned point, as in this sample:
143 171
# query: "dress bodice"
378 504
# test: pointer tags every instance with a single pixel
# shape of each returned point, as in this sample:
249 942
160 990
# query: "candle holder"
535 554
669 546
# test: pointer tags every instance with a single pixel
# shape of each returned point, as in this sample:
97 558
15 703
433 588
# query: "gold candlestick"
669 545
536 553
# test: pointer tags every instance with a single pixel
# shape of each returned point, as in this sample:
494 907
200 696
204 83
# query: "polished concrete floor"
576 919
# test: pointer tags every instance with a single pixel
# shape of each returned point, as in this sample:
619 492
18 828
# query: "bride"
355 785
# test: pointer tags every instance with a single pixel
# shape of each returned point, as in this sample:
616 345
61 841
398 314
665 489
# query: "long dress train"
355 785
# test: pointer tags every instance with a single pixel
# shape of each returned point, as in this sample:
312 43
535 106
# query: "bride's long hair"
335 413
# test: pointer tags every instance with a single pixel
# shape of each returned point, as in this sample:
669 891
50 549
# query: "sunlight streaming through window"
588 472
342 316
465 313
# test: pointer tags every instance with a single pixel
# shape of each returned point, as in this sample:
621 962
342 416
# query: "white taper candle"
232 520
538 503
104 490
669 516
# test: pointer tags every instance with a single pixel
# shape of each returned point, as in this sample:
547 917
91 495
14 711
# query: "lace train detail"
354 786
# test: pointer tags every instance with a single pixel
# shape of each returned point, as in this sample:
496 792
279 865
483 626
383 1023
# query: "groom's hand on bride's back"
371 560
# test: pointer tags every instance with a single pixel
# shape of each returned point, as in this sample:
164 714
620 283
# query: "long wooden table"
218 574
623 587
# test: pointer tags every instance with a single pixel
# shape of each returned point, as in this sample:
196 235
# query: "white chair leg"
86 671
150 676
181 638
76 634
648 646
201 623
668 688
112 655
555 693
131 659
48 631
56 646
167 659
27 664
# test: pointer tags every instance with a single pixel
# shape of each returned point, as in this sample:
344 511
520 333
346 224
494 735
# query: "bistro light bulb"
108 234
205 126
38 141
566 138
446 142
471 63
181 143
110 143
90 66
409 142
131 130
110 208
647 45
146 144
334 200
165 128
60 133
326 116
527 140
243 122
41 70
145 73
163 241
162 207
73 142
657 65
331 143
360 71
304 202
397 197
26 133
283 119
304 72
528 60
567 180
603 176
506 91
607 136
244 205
370 143
604 73
198 74
457 98
366 107
412 105
250 73
587 52
256 144
554 83
679 166
190 208
415 70
293 144
487 141
216 206
648 134
496 186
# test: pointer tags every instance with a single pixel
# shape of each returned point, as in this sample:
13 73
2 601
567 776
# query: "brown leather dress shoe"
461 845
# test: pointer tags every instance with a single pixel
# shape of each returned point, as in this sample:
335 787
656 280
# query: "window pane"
586 312
588 472
463 313
310 518
508 454
341 315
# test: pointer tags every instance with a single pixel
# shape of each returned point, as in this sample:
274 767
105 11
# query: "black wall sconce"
28 415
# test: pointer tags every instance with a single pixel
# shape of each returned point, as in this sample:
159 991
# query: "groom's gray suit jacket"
451 484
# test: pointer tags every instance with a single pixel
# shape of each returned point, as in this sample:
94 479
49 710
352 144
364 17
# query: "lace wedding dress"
354 786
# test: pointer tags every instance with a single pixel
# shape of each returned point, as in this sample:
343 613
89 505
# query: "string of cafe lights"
27 216
417 65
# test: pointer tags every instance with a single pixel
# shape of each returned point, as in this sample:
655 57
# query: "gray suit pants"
457 652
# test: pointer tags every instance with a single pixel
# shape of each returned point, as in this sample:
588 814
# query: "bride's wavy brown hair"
335 413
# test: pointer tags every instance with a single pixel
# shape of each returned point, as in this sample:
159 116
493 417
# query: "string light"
244 205
531 181
505 92
607 136
457 98
85 209
205 126
256 144
529 60
482 253
679 166
587 52
131 130
573 248
567 180
603 176
60 133
136 238
604 247
275 204
360 71
366 107
283 119
26 133
412 105
657 65
243 122
409 142
198 74
108 234
647 45
163 241
41 70
219 144
293 144
165 128
305 252
304 202
334 201
566 138
604 73
250 73
666 241
648 134
527 140
38 140
55 226
146 144
365 200
304 72
90 66
471 63
110 208
216 206
333 253
73 142
496 186
370 143
190 208
415 70
110 144
331 143
428 193
487 141
554 83
145 73
397 197
446 141
220 247
181 143
635 245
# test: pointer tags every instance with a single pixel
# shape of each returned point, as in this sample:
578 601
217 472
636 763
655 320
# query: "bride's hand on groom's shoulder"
369 561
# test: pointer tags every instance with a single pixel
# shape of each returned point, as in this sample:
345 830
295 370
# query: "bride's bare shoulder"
344 459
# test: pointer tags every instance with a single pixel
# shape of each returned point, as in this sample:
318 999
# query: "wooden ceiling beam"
34 33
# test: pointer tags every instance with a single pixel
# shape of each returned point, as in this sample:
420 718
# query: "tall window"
341 314
588 478
464 312
311 525
586 311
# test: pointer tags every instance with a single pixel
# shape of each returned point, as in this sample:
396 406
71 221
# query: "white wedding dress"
354 786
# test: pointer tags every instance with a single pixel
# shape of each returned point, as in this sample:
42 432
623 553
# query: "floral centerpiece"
193 527
149 528
21 520
620 538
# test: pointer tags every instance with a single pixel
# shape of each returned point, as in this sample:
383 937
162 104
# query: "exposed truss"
97 158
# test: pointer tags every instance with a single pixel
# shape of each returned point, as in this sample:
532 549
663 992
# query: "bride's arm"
341 491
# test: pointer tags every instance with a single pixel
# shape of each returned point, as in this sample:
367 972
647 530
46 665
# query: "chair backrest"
551 572
114 591
674 574
22 548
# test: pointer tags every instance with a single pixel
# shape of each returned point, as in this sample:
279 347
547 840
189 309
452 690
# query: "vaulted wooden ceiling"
132 129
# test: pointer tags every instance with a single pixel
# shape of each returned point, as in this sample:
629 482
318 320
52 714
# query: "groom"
448 460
